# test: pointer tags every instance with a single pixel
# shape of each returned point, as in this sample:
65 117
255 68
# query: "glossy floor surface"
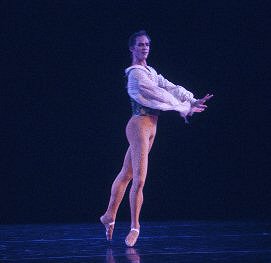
194 241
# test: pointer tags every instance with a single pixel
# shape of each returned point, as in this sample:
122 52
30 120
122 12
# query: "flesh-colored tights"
140 132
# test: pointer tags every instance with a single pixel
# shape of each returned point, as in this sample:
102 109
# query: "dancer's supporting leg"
140 146
117 192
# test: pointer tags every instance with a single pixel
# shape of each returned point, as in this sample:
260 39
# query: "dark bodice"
138 109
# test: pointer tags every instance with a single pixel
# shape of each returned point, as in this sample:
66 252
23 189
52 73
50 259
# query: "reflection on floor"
194 241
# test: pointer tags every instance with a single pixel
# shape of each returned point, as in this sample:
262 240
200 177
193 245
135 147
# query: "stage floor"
182 241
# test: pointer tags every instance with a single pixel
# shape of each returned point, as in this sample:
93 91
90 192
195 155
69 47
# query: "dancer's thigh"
139 145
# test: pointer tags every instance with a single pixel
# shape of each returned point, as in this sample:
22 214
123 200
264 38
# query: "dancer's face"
141 48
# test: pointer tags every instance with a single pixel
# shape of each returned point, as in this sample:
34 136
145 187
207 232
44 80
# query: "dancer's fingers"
207 97
202 106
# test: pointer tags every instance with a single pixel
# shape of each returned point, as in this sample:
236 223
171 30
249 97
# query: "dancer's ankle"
107 218
135 226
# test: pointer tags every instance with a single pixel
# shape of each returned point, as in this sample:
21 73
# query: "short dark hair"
132 38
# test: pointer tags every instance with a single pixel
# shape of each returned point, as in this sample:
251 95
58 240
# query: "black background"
64 109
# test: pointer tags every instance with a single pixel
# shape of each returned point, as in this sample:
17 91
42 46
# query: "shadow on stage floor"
191 241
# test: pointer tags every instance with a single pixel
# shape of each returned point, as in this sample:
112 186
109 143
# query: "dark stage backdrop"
64 108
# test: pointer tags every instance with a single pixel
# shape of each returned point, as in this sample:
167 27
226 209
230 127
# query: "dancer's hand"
199 105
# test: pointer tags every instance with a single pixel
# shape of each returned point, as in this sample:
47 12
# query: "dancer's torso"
143 120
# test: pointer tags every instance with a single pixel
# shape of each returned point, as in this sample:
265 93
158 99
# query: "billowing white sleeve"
176 90
146 92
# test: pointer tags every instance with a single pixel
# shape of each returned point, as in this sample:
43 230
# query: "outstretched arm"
197 105
164 96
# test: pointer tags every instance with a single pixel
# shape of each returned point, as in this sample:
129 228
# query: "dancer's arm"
197 105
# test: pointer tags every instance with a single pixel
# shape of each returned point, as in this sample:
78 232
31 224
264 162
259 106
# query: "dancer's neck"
139 62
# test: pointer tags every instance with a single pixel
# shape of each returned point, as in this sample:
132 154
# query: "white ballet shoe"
132 243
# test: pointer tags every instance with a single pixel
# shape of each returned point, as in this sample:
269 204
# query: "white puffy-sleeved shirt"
151 90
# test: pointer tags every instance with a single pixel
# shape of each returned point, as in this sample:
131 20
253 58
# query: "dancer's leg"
139 155
139 152
119 186
117 192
